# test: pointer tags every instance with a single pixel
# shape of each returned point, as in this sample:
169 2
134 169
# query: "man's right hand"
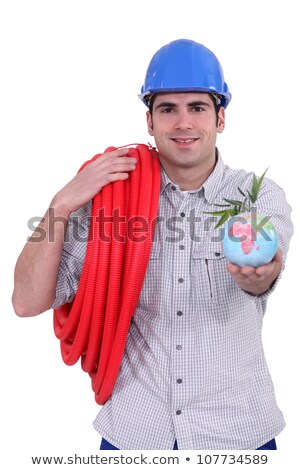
109 167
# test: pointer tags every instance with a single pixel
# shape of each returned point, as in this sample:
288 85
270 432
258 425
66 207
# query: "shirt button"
179 381
174 188
182 214
181 247
179 347
179 313
178 412
180 280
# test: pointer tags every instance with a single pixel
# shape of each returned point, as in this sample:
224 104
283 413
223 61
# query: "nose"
184 120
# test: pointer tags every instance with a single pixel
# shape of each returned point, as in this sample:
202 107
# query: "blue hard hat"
184 65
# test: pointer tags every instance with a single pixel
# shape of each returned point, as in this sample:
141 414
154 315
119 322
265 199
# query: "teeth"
184 140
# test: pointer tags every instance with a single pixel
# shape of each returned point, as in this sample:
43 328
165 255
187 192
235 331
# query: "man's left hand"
258 280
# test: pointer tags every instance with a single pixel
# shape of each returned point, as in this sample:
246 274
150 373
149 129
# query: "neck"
189 178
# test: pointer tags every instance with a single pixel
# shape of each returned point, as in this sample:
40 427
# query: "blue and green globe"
250 239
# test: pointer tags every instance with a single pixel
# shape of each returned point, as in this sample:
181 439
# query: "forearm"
37 266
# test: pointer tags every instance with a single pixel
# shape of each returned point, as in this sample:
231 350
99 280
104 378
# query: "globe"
249 239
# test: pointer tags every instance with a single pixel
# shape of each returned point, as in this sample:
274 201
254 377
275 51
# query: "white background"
70 75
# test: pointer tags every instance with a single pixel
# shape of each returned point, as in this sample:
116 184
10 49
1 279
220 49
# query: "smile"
185 141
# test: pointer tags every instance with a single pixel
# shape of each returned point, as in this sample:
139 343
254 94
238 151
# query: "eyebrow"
169 104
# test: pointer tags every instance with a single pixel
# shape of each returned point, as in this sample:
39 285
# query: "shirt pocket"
151 287
211 280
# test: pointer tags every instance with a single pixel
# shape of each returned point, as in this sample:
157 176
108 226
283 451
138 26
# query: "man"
193 374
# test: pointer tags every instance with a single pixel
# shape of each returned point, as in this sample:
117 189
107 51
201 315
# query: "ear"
149 123
221 120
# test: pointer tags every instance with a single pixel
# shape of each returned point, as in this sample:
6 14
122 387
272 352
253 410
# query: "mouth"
183 141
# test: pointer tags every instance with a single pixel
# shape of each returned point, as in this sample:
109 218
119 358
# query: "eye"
168 109
198 109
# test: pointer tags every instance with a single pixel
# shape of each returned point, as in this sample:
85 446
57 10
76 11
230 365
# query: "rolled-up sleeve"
73 255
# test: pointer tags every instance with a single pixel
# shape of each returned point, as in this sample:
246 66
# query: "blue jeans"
105 445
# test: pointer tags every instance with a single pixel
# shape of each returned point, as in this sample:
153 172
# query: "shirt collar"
164 181
210 186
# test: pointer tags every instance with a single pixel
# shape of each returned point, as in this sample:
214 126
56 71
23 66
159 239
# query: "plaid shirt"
194 367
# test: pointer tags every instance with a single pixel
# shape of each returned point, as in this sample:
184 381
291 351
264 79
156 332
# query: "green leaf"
242 193
256 184
222 205
223 219
235 207
217 213
251 197
233 202
261 180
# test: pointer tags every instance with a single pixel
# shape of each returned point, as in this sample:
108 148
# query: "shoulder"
236 179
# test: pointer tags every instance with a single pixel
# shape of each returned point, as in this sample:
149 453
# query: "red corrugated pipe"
94 326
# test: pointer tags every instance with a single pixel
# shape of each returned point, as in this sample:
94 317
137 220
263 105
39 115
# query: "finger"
111 177
110 165
110 162
274 264
265 269
116 154
247 271
243 271
120 167
100 158
278 256
233 268
242 274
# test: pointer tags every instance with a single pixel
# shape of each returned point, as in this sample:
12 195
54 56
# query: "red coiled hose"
95 325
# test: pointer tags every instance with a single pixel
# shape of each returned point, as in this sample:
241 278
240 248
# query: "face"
185 130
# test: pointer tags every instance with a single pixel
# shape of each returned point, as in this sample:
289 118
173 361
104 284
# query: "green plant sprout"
234 207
